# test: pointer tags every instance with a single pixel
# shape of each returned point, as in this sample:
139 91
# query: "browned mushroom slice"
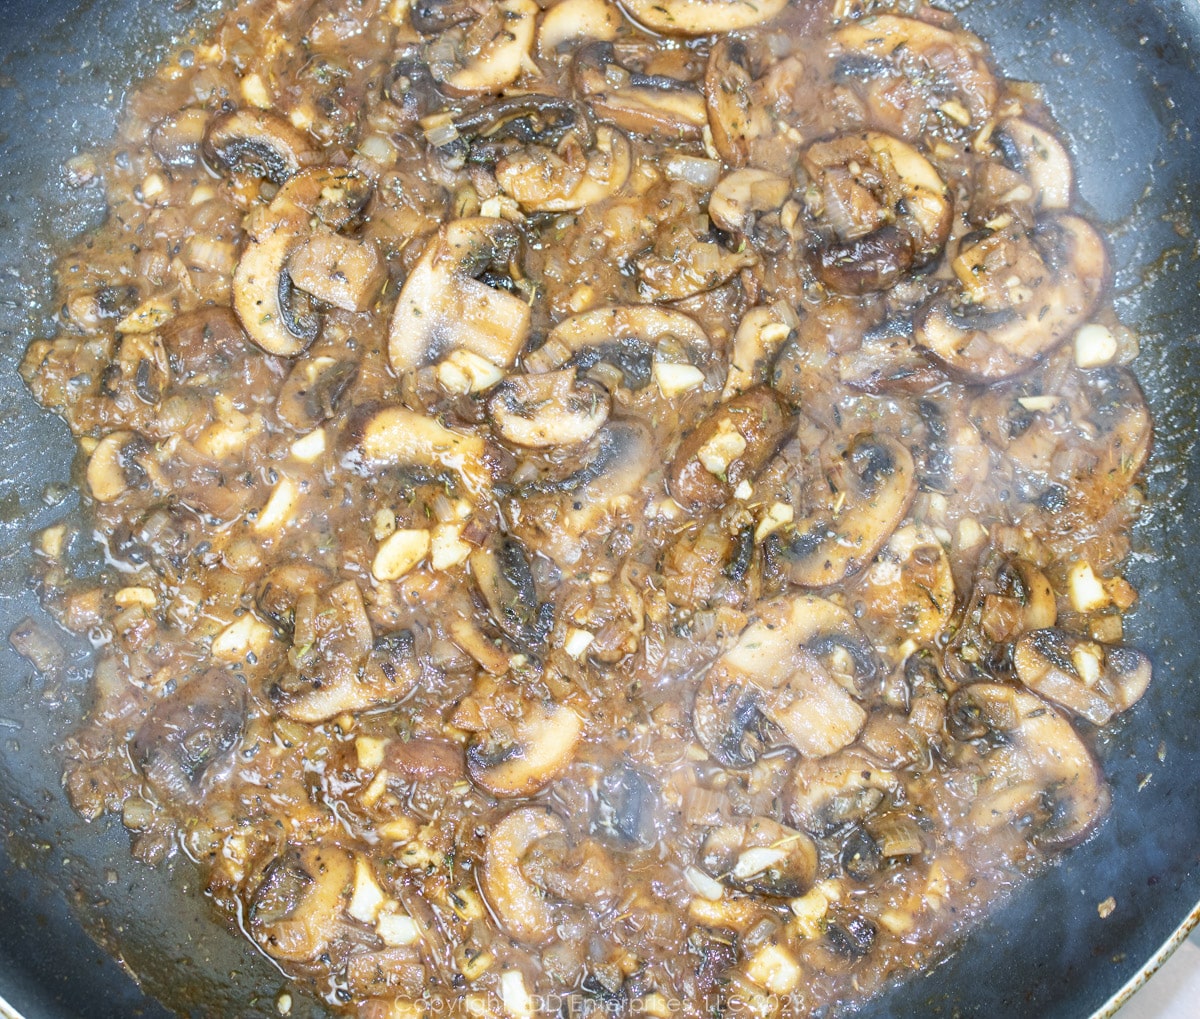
1090 680
187 734
548 410
177 138
761 856
701 17
920 50
120 461
527 757
871 486
296 908
264 294
909 589
653 105
443 307
572 20
1034 775
740 195
830 793
881 207
729 447
736 116
503 575
340 271
282 588
542 180
259 143
519 905
397 436
759 336
312 391
494 51
1038 156
728 721
1021 295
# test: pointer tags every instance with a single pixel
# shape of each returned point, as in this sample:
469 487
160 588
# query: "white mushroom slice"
1034 774
742 194
258 142
881 207
702 17
1040 158
530 757
542 181
871 486
759 336
761 856
500 44
957 56
110 463
263 289
571 20
337 270
626 455
816 715
909 588
443 308
399 436
1021 296
295 911
612 327
518 903
1091 680
550 409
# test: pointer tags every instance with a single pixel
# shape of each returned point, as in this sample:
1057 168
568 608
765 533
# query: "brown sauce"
598 520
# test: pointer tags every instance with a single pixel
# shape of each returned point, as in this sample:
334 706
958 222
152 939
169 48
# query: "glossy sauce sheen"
598 520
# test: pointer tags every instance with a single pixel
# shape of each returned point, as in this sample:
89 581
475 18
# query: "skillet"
1123 81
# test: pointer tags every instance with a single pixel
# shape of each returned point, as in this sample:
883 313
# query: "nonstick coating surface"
1123 80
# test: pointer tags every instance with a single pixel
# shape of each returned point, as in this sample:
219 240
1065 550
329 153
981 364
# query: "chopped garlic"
1087 661
702 884
310 447
577 642
779 515
756 860
142 596
370 751
673 379
447 548
399 553
254 91
517 1002
725 446
1086 591
743 491
1095 346
146 317
775 969
970 533
153 185
397 929
465 372
1042 403
280 507
375 789
368 897
244 635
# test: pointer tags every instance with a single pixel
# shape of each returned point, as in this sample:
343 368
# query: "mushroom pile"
620 504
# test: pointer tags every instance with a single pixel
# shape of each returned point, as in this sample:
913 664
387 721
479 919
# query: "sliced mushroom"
1034 774
918 49
701 17
1090 680
397 436
530 756
870 487
188 733
648 104
312 391
730 446
579 871
728 721
593 334
1021 295
178 137
542 180
828 794
504 577
295 910
281 590
759 336
909 588
548 410
1038 156
881 207
742 194
264 294
627 806
1011 595
342 272
737 116
336 665
518 903
496 47
572 20
116 465
761 856
259 143
443 307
